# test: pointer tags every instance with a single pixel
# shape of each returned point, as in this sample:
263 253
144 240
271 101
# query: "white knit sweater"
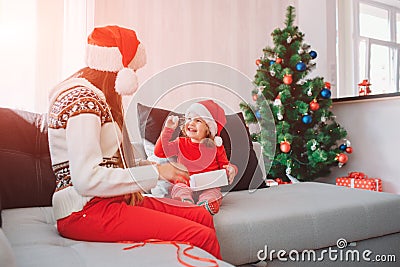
83 140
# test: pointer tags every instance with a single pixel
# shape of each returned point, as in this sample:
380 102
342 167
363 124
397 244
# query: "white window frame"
392 44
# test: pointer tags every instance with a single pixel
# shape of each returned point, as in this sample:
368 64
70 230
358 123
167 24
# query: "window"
398 28
17 52
374 22
368 45
377 39
42 43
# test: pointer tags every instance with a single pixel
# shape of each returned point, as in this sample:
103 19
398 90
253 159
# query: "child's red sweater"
196 157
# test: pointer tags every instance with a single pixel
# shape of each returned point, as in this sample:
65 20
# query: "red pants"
112 220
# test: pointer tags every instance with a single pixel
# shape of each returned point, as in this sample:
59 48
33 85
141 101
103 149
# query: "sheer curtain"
17 52
63 26
42 42
78 23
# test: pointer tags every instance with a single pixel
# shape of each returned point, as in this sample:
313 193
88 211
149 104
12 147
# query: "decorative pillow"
236 140
26 177
151 122
149 150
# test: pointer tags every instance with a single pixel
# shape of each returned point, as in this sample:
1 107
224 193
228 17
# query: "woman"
97 198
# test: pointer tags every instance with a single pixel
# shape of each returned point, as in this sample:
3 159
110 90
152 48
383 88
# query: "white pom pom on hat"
126 82
218 141
116 49
212 114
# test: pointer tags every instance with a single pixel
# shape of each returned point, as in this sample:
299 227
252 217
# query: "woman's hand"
231 172
173 173
172 122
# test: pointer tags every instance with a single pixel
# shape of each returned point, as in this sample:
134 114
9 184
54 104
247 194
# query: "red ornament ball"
314 105
342 158
278 60
255 97
328 85
287 79
285 146
349 150
258 62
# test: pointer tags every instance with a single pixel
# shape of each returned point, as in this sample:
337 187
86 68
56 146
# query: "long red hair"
105 81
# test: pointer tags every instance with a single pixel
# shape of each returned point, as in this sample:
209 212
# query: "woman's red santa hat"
212 114
116 49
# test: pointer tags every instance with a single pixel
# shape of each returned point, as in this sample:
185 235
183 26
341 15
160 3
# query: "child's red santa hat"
212 114
116 49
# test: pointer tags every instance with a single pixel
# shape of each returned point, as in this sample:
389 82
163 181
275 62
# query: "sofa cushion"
301 216
26 177
236 140
7 257
36 242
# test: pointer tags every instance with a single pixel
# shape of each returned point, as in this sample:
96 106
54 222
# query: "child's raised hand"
172 122
231 172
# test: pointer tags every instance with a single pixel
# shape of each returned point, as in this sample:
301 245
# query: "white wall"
373 128
231 32
316 19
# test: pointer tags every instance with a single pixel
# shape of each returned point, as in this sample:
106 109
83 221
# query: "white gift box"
205 180
270 182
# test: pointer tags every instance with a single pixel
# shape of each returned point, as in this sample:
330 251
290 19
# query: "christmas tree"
307 141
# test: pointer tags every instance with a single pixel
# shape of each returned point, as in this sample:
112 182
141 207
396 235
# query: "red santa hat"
116 49
212 114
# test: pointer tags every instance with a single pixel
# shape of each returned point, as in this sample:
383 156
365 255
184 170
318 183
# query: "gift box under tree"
360 180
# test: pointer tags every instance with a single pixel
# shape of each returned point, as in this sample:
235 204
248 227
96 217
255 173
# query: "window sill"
388 96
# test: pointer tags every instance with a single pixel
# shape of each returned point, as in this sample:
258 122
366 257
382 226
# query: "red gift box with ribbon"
360 180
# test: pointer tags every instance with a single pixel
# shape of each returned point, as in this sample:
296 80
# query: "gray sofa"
302 224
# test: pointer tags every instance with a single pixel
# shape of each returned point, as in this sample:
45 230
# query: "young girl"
201 150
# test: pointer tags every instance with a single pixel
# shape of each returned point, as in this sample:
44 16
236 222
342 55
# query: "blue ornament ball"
313 54
258 115
306 119
301 66
342 147
271 62
326 93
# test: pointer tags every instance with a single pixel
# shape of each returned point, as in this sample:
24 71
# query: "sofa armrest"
7 257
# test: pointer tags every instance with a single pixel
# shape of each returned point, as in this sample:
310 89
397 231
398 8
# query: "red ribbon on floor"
176 244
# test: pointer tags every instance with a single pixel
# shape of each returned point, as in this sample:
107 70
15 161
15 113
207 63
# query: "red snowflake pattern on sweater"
76 101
